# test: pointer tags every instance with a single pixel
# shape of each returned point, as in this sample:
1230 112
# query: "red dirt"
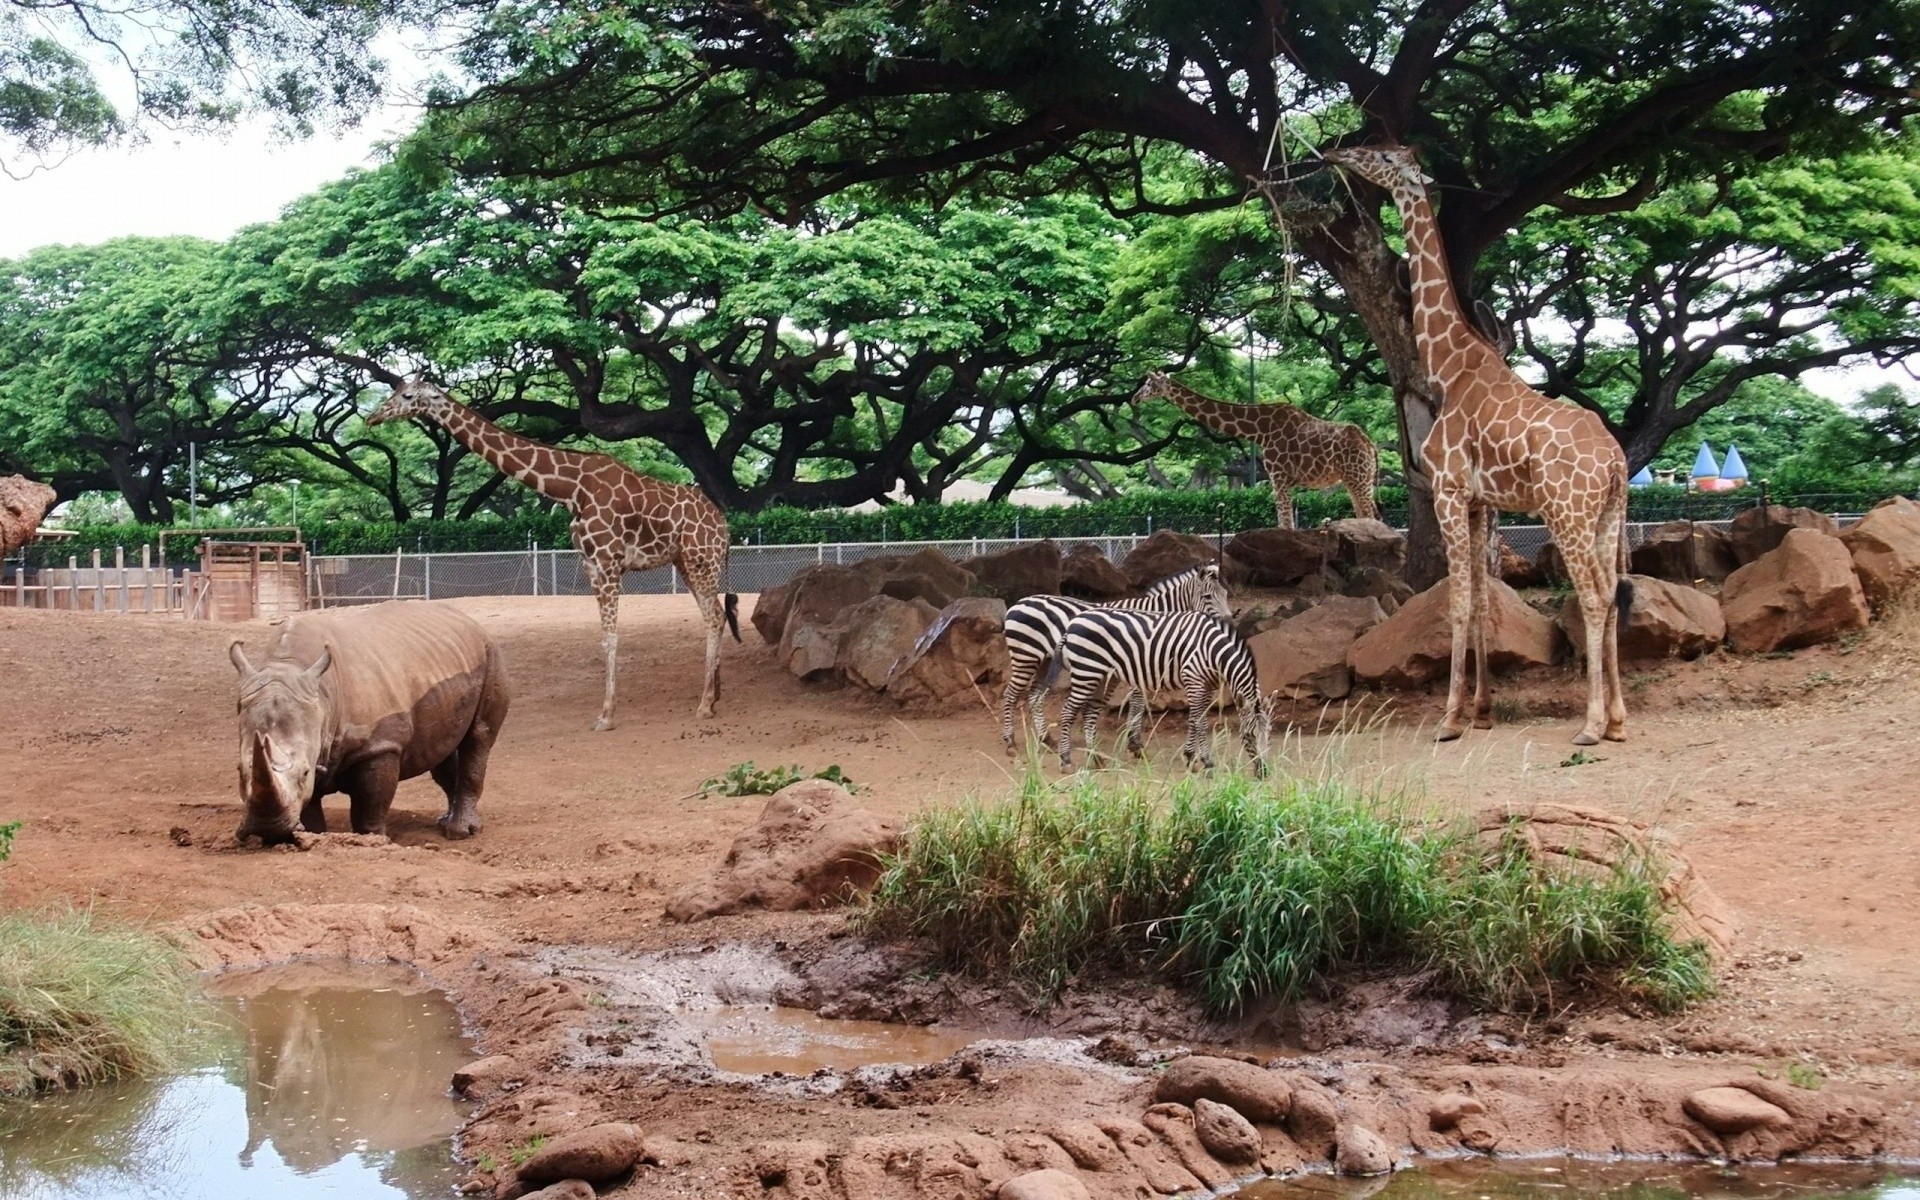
1789 781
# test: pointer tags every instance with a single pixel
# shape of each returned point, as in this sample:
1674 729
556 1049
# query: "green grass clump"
1245 889
83 1001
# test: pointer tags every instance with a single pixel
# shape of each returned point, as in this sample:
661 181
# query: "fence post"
146 578
426 576
534 552
99 584
396 571
120 569
20 583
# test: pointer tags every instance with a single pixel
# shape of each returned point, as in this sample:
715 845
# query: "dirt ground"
1790 781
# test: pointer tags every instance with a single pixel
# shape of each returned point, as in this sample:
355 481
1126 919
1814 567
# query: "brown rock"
1667 620
566 1189
1280 557
923 575
1566 839
878 633
1259 1095
1801 592
1029 569
1306 656
595 1153
1226 1134
1552 564
1414 645
816 598
962 648
1166 553
811 847
1089 575
1885 546
1088 1145
1731 1110
1361 1151
1447 1109
1757 531
1390 590
810 651
1044 1185
1683 551
487 1076
1149 1156
770 612
1363 542
1517 570
1173 1123
1314 1121
1479 1133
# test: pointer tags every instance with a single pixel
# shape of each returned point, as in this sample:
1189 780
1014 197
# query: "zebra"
1036 625
1192 651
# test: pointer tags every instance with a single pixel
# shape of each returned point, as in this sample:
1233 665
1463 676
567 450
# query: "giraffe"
1499 445
1298 448
622 521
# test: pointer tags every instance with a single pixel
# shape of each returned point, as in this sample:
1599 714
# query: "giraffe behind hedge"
622 521
1298 448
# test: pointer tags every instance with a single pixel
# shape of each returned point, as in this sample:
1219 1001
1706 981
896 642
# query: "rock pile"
812 847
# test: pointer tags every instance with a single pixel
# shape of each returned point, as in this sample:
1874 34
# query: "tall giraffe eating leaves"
1500 446
622 521
1297 448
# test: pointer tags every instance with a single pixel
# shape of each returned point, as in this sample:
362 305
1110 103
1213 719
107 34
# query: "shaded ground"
1790 781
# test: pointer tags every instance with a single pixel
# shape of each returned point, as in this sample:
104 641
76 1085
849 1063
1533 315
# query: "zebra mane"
1182 579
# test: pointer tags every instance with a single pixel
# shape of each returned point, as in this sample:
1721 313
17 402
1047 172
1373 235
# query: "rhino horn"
239 658
321 664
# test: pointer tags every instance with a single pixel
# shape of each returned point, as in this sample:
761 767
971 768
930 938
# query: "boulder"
1166 553
924 575
566 1189
1755 532
1029 569
1731 1110
815 598
770 612
1226 1134
1683 551
1364 542
1280 557
1517 570
1314 1122
1361 1151
962 648
1044 1185
1449 1108
1885 546
1414 646
1801 592
1089 575
810 651
1564 839
1258 1095
1306 656
485 1077
1667 620
595 1153
878 633
1552 564
1390 590
811 847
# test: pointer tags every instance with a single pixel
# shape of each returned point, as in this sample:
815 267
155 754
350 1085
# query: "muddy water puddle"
323 1080
793 1041
1573 1179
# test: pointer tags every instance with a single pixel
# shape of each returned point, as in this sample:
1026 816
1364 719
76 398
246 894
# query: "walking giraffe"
1498 445
622 521
1298 448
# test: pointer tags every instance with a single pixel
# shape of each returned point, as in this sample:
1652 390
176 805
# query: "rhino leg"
463 775
313 818
372 793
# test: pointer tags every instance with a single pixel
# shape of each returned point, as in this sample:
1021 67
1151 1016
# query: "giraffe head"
414 398
1390 166
1155 386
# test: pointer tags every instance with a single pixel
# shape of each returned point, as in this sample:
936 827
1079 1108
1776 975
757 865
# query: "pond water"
754 1040
1569 1179
326 1080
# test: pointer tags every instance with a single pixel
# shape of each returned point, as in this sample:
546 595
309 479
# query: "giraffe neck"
1440 326
536 464
1244 420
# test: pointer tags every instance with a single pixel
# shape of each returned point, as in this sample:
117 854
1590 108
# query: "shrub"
1245 889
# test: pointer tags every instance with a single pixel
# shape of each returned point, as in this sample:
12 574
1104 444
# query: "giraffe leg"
1619 599
1595 608
1456 531
1283 503
606 590
1482 674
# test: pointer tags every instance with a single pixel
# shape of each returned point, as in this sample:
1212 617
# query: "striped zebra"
1151 651
1036 625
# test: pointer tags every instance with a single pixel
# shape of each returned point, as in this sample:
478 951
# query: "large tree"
1521 106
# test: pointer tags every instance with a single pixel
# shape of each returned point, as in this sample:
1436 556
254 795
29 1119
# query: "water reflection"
329 1080
1568 1179
761 1040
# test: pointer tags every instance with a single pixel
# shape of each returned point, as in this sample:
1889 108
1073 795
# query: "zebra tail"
1054 664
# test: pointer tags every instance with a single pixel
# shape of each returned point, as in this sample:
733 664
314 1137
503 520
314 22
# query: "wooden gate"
241 580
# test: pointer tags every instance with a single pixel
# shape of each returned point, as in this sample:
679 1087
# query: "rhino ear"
321 664
239 658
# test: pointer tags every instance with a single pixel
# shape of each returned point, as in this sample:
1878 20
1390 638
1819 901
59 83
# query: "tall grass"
1246 889
83 1000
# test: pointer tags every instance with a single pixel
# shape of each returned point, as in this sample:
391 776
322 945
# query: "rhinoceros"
357 700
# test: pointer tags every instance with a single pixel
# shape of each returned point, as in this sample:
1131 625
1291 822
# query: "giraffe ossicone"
1500 446
1297 448
622 521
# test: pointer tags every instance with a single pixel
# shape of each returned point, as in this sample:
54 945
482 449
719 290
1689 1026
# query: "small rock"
485 1075
1479 1134
595 1153
1731 1110
1447 1109
1314 1122
1362 1152
181 835
1257 1094
1226 1134
1044 1185
566 1189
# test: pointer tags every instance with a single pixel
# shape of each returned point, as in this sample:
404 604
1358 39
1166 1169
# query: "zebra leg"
1095 701
1067 712
1020 673
1136 717
1199 724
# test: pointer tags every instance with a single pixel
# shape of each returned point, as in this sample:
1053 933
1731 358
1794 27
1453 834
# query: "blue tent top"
1643 479
1703 465
1733 468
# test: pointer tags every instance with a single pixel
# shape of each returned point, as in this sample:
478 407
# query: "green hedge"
1140 512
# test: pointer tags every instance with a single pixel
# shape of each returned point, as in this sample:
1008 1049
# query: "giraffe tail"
733 615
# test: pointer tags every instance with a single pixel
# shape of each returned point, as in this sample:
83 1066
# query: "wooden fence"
235 582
